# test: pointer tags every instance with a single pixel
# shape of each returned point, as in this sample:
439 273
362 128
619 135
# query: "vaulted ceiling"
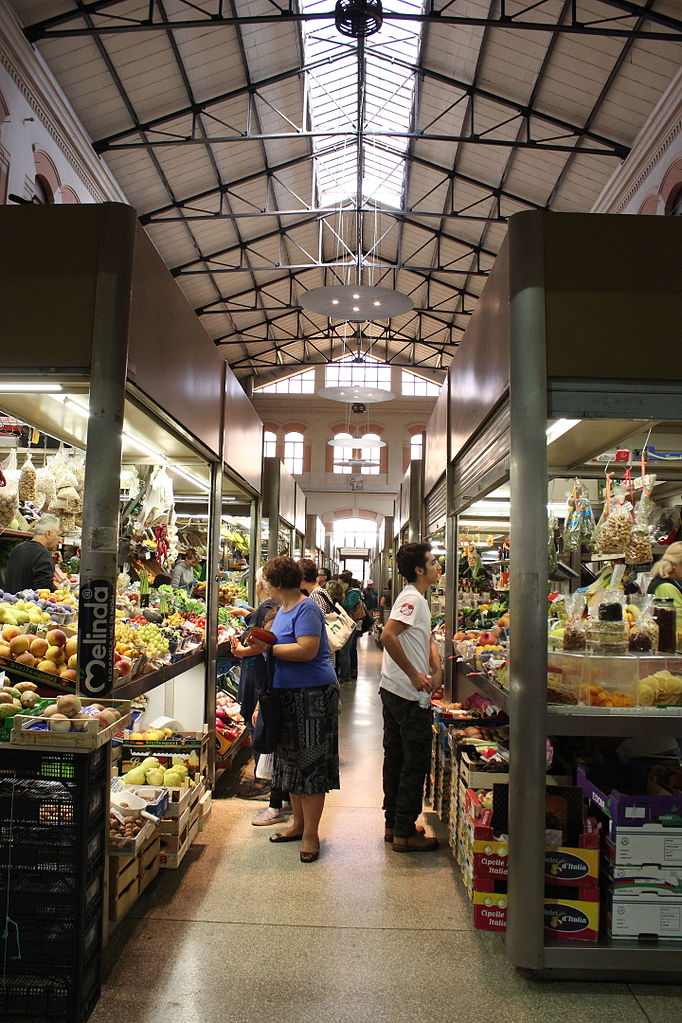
208 114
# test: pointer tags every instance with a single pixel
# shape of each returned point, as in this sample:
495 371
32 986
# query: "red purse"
261 635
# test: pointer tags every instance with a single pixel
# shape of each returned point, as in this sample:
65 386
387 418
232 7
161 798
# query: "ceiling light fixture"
358 18
18 388
356 302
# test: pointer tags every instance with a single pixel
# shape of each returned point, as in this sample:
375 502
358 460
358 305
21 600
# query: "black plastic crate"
39 801
61 766
49 944
51 997
56 897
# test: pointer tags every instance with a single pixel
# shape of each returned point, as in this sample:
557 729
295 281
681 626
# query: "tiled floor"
244 931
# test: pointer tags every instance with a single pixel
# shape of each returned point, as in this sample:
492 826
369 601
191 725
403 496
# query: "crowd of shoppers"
289 693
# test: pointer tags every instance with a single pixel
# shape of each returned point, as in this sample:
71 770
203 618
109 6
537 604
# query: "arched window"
675 204
373 454
269 444
343 454
293 453
416 445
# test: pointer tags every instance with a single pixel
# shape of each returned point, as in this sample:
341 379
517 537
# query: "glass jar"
665 616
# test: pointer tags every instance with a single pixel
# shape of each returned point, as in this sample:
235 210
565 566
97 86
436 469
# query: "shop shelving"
558 335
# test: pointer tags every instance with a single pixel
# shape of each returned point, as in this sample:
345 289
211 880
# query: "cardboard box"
623 792
568 919
631 914
645 876
650 843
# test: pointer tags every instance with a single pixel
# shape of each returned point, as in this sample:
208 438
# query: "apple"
69 674
19 645
55 653
71 646
10 631
5 650
49 711
26 658
39 647
56 637
73 662
107 717
49 667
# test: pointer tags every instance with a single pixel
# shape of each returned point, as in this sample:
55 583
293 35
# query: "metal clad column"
528 591
415 525
215 505
99 544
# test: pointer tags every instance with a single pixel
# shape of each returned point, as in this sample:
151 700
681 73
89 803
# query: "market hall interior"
243 930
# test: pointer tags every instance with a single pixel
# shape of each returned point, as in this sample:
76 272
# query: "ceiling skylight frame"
332 104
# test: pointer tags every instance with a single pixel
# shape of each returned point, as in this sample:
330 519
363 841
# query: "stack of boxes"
641 847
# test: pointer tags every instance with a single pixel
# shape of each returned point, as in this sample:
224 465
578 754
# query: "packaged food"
665 617
611 607
27 481
579 527
575 633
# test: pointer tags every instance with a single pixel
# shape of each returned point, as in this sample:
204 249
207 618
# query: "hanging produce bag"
612 534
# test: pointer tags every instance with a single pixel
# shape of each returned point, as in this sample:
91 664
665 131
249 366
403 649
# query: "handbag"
264 766
339 626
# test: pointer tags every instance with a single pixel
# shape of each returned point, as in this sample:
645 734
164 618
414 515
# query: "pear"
149 762
136 776
172 779
155 776
179 767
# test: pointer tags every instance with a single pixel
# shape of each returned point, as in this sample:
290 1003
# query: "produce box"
647 875
29 730
172 853
473 776
134 843
649 843
123 886
7 724
564 865
156 799
620 790
568 919
41 678
175 826
643 914
149 861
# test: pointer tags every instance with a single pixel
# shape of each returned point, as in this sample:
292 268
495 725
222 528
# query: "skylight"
333 105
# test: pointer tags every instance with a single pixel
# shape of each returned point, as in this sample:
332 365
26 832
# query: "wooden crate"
123 886
149 862
172 828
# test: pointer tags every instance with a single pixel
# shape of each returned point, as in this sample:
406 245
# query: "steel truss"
211 15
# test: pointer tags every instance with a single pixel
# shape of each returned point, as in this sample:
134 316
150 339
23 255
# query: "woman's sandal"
309 857
279 837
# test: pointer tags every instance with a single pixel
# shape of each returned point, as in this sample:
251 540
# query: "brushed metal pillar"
215 507
99 534
528 593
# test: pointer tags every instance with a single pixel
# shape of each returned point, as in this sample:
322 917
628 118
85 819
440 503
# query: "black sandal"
309 857
285 838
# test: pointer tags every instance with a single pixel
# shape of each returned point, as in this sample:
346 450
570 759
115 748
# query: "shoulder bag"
339 626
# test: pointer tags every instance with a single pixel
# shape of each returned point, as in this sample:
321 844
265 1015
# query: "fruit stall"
116 668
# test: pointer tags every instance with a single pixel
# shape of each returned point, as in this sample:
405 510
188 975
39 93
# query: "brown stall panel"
243 441
171 357
287 497
436 446
607 278
56 268
479 372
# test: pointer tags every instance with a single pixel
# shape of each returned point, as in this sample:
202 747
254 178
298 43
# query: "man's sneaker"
270 815
415 843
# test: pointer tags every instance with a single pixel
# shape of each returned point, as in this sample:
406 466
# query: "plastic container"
564 676
610 681
665 615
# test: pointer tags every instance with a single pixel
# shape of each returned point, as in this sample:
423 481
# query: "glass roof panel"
332 90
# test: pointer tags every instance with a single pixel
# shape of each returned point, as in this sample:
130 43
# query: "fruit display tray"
35 731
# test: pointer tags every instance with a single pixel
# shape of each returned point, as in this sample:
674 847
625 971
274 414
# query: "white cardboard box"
648 843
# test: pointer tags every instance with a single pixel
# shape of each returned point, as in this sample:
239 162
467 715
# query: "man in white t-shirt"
411 665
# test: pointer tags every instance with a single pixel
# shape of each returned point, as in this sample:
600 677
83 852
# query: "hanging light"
349 393
356 302
358 18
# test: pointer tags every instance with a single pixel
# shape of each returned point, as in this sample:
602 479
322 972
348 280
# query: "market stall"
582 672
121 398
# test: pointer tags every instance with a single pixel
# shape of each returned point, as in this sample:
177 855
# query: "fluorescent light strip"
18 388
141 445
559 428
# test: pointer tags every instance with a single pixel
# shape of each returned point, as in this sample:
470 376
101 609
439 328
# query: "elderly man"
31 566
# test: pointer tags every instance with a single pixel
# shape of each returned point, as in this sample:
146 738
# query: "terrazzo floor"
244 931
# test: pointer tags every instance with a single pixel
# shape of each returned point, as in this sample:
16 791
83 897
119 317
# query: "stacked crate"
53 818
642 847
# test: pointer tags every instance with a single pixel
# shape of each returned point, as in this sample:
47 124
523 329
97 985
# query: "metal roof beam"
51 28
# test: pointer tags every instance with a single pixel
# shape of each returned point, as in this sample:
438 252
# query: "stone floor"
244 931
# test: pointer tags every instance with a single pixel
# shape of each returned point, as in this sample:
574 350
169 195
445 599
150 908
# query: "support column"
99 543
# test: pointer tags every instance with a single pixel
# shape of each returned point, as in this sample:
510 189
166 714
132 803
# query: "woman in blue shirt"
306 762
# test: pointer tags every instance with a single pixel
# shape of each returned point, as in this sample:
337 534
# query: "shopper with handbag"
306 761
353 604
